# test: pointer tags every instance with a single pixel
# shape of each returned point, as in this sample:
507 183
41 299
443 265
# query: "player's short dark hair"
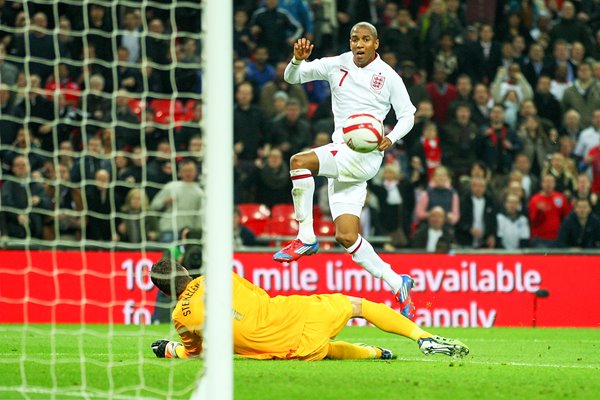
169 277
367 25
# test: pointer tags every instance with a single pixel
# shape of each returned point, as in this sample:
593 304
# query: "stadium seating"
166 109
283 212
254 216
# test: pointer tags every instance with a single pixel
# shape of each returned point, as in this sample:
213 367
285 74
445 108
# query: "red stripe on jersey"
362 115
357 247
301 176
364 126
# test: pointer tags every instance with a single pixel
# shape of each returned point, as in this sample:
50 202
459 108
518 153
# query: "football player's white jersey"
372 89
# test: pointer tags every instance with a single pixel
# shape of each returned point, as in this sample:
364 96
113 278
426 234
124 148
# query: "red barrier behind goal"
451 290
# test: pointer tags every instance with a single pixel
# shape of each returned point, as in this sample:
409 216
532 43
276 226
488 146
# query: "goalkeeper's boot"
441 345
403 296
296 249
386 354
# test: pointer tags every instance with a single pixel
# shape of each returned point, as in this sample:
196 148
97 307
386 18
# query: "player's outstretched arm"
164 348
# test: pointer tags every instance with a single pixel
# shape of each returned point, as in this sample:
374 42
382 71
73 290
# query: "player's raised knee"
346 239
305 160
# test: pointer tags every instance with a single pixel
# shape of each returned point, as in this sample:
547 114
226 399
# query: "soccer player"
360 82
283 327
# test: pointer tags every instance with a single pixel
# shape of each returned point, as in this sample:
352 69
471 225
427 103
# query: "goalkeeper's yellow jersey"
264 327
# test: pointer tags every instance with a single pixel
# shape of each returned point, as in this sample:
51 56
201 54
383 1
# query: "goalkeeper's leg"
340 350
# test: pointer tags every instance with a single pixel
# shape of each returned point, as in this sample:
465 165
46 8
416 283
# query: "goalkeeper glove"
165 349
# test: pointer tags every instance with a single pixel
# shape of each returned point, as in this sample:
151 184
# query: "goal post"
217 381
79 309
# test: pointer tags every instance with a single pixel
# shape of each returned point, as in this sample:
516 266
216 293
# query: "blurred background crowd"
100 111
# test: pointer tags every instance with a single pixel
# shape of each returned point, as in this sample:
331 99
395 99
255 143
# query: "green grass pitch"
520 363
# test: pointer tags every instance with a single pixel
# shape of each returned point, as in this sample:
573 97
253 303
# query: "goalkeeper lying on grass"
284 327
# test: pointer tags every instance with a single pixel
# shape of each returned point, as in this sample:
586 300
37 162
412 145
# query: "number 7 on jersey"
345 72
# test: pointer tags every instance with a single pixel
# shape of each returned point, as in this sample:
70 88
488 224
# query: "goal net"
104 171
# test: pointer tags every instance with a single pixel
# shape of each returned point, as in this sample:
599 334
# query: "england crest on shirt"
558 202
377 82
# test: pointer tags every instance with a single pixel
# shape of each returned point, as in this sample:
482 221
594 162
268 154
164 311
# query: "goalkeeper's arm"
190 346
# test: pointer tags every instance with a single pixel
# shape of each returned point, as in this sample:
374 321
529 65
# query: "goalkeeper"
283 327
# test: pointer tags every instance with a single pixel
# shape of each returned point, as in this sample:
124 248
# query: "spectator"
559 83
459 140
442 94
259 71
275 29
569 28
483 57
583 95
8 71
529 180
195 152
435 236
480 105
280 100
97 103
549 108
133 174
413 82
429 149
464 90
40 47
439 193
547 209
396 198
511 79
129 78
584 191
272 180
190 128
92 161
513 226
180 203
188 76
581 228
589 137
158 49
565 181
301 12
136 225
20 193
243 42
560 58
578 54
24 144
153 131
100 22
38 108
100 208
291 133
497 144
536 143
67 46
535 66
242 235
446 58
277 84
477 225
127 130
160 169
401 37
423 116
249 125
68 224
130 37
571 127
513 27
434 22
64 84
8 128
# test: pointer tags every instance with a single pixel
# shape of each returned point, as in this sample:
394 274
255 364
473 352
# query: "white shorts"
348 172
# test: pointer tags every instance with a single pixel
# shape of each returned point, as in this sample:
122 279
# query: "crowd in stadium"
100 109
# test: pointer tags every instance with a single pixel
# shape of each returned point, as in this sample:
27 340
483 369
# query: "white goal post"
217 381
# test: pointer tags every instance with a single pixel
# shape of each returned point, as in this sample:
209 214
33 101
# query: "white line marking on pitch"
508 363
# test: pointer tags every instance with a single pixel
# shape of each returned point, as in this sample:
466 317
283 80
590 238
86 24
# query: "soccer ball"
363 132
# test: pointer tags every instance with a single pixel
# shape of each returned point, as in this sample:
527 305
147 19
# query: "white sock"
303 189
364 255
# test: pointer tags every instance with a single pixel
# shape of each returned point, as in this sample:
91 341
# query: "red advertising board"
450 290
